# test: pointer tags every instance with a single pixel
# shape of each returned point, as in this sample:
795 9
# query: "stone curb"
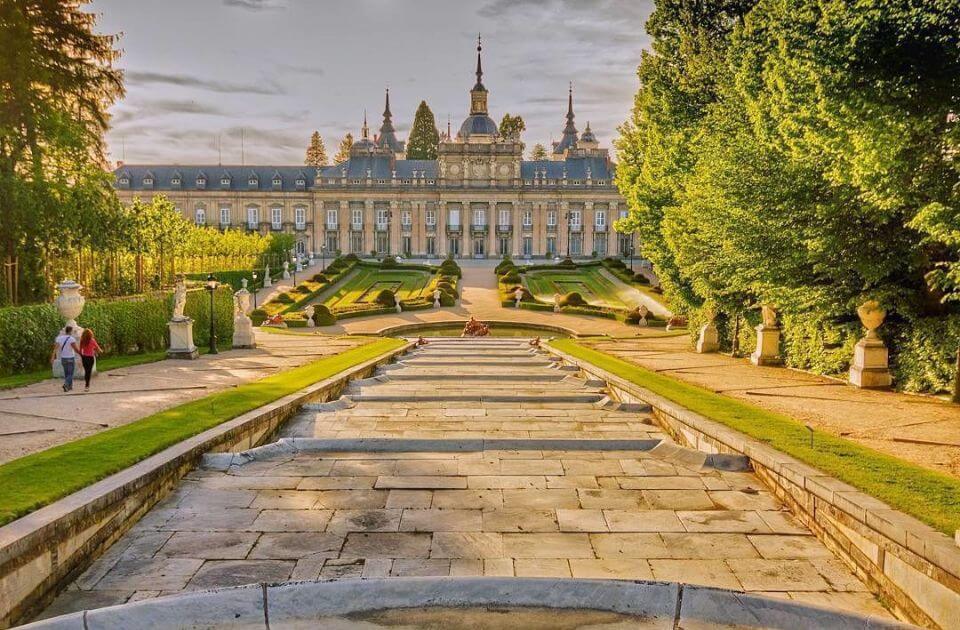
305 604
53 543
913 567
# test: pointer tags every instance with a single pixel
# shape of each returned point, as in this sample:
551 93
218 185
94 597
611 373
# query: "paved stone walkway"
39 416
653 511
480 299
919 429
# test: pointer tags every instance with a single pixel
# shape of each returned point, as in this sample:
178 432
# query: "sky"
200 71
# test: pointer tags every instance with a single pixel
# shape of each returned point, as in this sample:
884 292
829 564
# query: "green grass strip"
36 480
927 495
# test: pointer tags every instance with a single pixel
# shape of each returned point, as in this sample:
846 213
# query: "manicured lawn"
36 480
104 364
366 281
589 282
931 497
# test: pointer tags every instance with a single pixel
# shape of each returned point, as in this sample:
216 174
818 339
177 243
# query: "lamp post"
323 258
566 217
212 287
255 276
631 253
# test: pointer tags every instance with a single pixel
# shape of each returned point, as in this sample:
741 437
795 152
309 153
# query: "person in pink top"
89 349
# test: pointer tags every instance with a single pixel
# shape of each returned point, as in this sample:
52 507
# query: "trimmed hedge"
572 299
127 326
322 316
386 297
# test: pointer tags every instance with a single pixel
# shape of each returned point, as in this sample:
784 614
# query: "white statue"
267 280
556 302
286 270
769 315
309 312
643 311
179 299
518 296
436 298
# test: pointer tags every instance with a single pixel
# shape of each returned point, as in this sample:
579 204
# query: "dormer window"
301 182
175 181
124 181
601 182
253 182
576 182
381 181
201 182
277 182
224 181
148 181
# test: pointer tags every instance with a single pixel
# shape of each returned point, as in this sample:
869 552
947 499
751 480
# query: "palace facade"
480 198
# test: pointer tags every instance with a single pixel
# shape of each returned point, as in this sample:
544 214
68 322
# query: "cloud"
137 77
257 5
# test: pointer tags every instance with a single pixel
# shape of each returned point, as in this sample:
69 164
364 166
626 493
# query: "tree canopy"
424 138
316 152
343 151
798 153
512 126
538 152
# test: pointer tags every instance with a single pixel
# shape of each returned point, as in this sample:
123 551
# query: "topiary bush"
639 278
319 277
504 265
572 299
322 316
349 258
567 262
388 262
447 300
511 277
303 289
449 267
284 298
386 297
258 316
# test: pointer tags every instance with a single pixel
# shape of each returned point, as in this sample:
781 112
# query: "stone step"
473 376
487 397
432 362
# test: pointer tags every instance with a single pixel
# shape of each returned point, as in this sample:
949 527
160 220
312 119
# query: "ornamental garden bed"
585 288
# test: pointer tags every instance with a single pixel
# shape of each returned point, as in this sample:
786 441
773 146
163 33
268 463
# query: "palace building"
480 198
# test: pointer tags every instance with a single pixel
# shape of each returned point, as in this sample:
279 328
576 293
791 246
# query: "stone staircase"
475 388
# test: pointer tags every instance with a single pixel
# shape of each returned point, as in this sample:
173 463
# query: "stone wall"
913 568
45 550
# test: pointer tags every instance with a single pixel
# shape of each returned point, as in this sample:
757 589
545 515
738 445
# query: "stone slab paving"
39 416
587 512
880 420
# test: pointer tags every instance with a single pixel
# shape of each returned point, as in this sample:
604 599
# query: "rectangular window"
356 243
600 245
224 216
600 218
406 219
331 219
454 217
431 246
527 218
479 216
406 244
356 219
333 243
503 246
383 243
575 218
431 217
576 244
200 216
383 219
253 218
504 217
300 217
551 218
551 246
276 218
527 246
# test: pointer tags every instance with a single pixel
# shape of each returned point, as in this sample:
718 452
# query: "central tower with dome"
478 156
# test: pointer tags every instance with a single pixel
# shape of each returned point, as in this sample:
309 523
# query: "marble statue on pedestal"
242 324
767 351
181 326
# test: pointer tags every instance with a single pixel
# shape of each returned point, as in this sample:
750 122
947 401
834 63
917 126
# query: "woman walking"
89 349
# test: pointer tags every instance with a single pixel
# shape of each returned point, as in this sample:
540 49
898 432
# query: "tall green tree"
57 79
424 138
343 151
316 152
538 152
511 127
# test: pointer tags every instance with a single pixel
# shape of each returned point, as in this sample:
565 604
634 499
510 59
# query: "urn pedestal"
69 304
709 339
868 369
181 339
243 336
768 346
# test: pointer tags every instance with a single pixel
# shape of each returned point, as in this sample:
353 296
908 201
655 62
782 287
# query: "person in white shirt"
65 347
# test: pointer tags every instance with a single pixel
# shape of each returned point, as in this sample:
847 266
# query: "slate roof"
379 165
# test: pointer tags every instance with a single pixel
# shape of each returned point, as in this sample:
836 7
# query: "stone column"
394 227
869 368
516 220
343 226
369 219
589 221
441 227
768 340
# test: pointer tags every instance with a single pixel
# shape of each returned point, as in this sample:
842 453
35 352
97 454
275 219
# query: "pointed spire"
479 85
449 136
386 110
570 104
569 139
365 130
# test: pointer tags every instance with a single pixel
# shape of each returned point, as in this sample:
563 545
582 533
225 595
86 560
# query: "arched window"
253 217
200 215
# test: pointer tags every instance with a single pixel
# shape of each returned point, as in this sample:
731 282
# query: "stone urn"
308 313
871 316
70 302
